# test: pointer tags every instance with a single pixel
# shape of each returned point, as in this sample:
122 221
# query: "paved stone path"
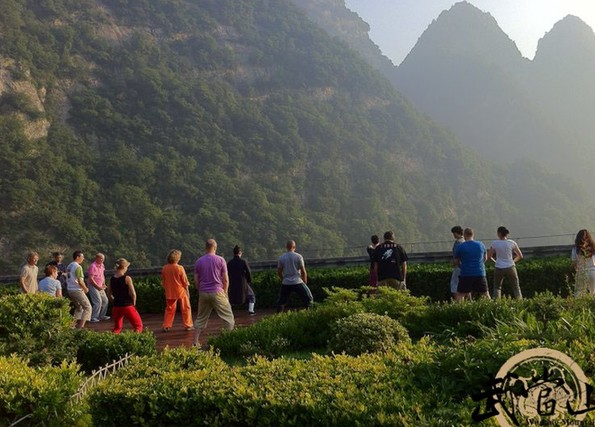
177 336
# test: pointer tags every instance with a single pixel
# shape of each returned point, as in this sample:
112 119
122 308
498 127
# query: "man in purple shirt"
212 282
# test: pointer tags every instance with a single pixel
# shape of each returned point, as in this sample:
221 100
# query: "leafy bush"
9 289
98 349
366 333
282 333
36 327
40 394
178 387
373 389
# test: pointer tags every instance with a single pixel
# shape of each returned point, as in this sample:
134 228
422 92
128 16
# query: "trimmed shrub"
366 333
374 389
36 327
285 332
40 394
178 387
11 289
98 349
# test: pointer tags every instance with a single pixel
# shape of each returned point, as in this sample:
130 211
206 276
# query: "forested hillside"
135 126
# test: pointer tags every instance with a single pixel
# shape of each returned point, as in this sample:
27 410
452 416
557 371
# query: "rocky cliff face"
19 97
335 18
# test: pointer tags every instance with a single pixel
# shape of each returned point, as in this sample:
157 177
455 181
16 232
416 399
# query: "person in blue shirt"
470 257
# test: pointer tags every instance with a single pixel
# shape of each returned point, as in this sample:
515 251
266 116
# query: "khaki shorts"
393 283
82 306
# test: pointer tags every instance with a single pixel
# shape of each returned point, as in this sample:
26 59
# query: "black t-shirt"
389 256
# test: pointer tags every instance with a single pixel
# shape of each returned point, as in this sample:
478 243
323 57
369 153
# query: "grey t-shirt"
291 263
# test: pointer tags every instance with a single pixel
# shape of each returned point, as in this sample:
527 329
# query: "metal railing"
414 258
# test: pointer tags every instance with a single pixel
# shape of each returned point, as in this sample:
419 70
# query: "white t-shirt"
504 252
73 272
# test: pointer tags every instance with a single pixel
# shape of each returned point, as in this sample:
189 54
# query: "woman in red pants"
123 296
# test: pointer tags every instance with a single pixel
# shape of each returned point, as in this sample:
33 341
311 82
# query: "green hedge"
40 394
428 382
95 350
36 327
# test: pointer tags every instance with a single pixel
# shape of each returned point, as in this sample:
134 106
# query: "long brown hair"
584 243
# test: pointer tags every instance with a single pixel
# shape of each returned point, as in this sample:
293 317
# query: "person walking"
583 262
122 294
28 275
240 280
507 254
390 263
77 289
176 286
291 270
457 234
212 283
96 285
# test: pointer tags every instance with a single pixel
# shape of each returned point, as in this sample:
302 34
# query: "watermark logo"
540 386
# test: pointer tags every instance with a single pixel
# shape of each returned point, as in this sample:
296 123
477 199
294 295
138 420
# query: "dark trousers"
301 289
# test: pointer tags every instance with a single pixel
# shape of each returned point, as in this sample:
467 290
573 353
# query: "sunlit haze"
395 25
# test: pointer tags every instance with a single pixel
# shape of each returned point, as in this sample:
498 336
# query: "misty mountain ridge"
467 74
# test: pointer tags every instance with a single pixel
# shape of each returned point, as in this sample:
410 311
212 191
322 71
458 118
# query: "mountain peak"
570 37
466 30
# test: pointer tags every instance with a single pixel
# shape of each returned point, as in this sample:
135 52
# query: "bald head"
211 245
290 245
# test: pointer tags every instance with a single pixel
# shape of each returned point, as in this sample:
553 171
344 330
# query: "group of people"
90 297
388 264
219 285
469 258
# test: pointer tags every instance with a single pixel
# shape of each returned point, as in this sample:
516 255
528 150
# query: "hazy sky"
395 25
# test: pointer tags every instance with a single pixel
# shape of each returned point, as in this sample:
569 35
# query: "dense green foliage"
95 350
366 333
36 328
39 328
429 382
132 127
41 395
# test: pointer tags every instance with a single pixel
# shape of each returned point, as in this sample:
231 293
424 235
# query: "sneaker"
189 328
251 313
94 320
165 329
105 318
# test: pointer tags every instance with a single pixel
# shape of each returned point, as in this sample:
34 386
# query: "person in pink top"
175 283
96 285
212 283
